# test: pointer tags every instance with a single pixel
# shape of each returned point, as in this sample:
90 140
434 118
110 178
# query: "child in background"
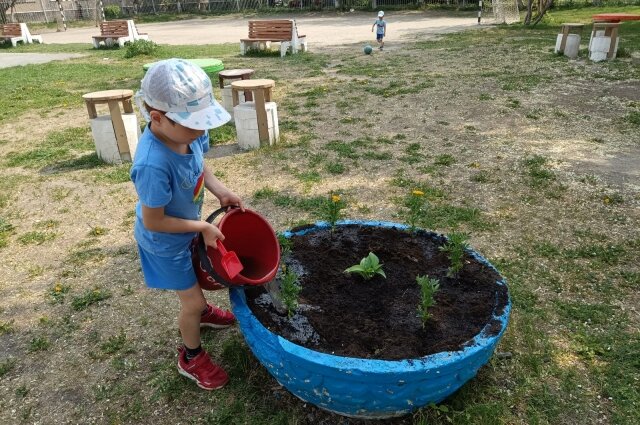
170 176
381 25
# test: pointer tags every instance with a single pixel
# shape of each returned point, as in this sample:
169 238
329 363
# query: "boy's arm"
373 26
154 219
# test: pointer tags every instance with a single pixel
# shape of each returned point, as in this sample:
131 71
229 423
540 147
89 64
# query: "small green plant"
416 205
58 293
90 297
454 248
332 209
428 288
140 47
369 267
285 244
39 343
289 291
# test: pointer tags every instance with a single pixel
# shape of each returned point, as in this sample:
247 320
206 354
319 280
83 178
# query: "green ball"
368 49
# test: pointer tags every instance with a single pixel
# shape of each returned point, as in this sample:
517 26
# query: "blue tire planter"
365 388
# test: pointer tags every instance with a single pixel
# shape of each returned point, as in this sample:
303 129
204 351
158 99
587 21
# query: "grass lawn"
535 156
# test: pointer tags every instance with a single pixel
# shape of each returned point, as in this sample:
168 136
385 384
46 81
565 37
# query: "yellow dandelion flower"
58 288
335 198
607 200
418 193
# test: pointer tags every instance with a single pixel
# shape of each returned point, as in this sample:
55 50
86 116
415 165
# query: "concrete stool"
233 74
257 121
115 135
604 41
568 41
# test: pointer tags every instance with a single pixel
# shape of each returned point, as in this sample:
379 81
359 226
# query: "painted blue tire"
359 387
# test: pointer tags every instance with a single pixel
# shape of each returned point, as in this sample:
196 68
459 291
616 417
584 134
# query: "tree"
542 7
4 6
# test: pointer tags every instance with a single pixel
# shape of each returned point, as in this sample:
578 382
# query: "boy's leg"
192 303
193 362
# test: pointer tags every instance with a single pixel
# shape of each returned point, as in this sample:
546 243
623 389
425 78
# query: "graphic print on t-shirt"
198 191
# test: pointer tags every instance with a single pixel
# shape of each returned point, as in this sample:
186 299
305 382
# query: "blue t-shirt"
164 178
381 25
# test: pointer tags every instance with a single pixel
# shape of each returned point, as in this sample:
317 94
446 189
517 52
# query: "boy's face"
172 132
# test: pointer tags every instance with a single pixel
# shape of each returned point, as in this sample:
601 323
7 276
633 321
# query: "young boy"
381 24
170 176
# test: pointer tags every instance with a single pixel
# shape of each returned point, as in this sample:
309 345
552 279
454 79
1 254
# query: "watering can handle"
202 251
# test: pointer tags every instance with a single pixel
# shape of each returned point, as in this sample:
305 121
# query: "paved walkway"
15 59
321 28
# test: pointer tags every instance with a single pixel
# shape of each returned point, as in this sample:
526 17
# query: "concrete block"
600 46
571 47
227 100
104 138
247 124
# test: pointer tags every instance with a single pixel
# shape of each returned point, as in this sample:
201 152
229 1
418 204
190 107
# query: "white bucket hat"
183 91
380 14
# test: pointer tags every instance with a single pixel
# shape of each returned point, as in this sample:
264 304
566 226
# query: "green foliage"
112 11
6 327
331 211
141 47
428 288
369 266
289 291
6 366
285 244
89 298
6 229
39 343
58 293
416 206
454 248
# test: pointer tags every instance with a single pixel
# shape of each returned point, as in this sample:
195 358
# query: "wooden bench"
18 32
113 32
120 31
283 31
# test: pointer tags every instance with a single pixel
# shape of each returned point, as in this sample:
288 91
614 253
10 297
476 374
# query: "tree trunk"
541 13
527 18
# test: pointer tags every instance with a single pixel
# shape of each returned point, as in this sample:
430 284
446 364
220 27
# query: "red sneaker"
217 318
201 369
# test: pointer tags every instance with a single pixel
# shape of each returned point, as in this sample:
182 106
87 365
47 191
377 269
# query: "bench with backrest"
18 32
113 32
283 31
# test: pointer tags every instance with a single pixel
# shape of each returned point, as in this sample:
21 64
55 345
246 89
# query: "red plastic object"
230 261
615 17
252 238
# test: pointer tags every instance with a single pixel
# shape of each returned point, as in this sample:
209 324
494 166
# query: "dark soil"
378 319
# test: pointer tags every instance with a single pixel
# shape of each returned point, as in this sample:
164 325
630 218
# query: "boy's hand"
210 234
230 198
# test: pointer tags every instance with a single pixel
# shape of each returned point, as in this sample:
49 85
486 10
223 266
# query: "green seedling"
289 291
369 266
454 248
428 288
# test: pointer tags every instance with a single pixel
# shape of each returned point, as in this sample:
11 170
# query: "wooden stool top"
252 84
232 74
106 95
236 73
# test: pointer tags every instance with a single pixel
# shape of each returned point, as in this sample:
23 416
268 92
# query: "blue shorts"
379 36
175 273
